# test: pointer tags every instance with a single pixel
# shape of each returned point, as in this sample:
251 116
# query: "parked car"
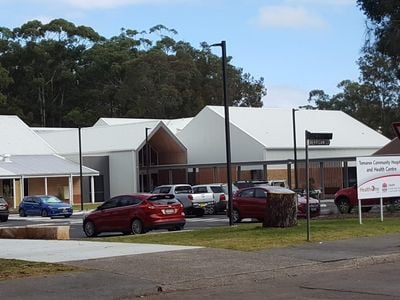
136 213
45 206
347 198
251 202
218 194
3 210
194 204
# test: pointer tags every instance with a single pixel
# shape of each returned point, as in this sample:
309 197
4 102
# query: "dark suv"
3 210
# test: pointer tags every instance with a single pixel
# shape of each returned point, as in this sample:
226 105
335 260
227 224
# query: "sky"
295 45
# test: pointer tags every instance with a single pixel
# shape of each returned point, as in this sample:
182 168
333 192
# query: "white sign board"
378 177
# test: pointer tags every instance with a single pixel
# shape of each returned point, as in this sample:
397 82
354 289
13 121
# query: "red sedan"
136 213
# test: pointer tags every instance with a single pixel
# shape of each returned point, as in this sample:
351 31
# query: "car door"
107 219
36 206
127 207
259 203
243 202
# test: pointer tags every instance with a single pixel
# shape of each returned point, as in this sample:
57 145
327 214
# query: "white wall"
122 173
204 138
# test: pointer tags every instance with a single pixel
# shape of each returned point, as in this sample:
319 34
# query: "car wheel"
22 213
343 206
44 213
67 216
4 219
137 227
236 216
212 210
89 228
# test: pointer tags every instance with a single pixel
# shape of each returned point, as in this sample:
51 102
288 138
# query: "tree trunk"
281 210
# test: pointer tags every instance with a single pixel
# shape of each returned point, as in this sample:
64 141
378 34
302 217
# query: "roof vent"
7 158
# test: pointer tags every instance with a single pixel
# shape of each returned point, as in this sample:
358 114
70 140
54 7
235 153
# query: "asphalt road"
192 223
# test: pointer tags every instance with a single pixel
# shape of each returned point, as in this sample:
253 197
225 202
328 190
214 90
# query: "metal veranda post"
147 159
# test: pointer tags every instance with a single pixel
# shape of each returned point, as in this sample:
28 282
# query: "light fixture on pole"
227 131
147 155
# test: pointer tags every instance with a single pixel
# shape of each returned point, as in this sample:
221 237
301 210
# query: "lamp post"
227 131
80 168
296 182
147 155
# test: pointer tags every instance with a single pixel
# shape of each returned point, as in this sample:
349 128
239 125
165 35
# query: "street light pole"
147 159
227 132
80 168
296 182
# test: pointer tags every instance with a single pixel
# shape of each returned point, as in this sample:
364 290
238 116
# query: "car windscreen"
163 199
50 200
2 201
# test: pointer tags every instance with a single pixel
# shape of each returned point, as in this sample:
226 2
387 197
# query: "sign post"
313 139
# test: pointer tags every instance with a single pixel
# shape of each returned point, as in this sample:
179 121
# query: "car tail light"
190 197
222 197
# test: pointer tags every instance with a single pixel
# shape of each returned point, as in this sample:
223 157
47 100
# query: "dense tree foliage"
375 98
60 74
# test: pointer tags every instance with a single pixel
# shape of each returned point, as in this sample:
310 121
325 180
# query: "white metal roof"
41 165
273 127
18 139
102 139
174 125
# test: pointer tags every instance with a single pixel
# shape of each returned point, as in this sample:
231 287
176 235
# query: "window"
110 203
128 200
260 193
185 189
247 193
217 189
199 189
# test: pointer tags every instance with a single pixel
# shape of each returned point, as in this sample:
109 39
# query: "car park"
4 212
136 213
251 202
194 204
45 206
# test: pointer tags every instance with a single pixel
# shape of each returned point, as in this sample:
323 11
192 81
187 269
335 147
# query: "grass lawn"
13 268
253 237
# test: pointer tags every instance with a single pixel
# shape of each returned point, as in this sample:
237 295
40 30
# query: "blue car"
45 206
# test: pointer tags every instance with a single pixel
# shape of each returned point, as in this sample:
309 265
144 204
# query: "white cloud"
288 17
285 96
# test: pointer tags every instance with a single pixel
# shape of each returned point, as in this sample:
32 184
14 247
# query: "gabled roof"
174 125
273 127
41 165
125 137
18 139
